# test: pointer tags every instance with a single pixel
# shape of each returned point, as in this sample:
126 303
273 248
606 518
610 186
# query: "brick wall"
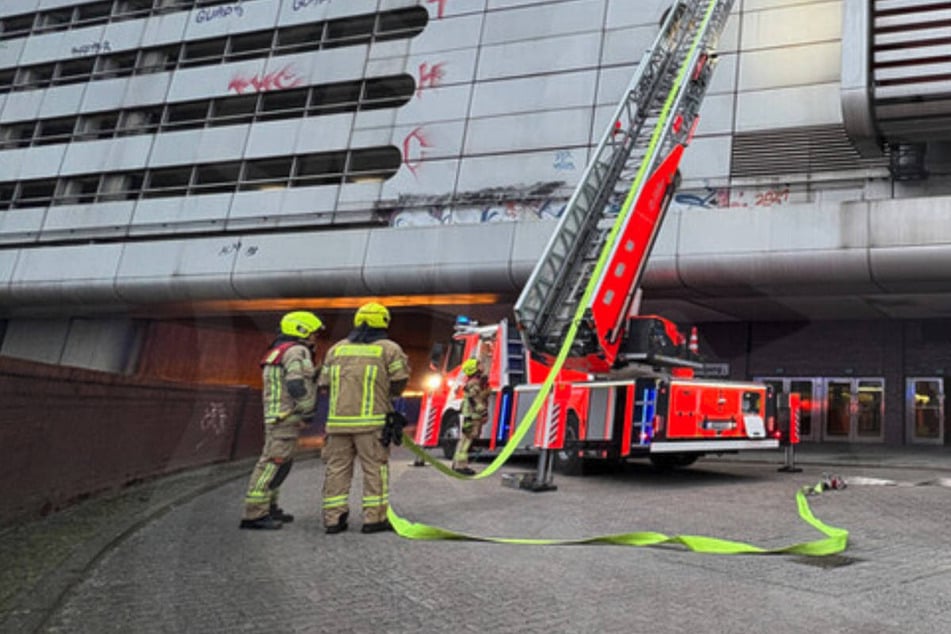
67 433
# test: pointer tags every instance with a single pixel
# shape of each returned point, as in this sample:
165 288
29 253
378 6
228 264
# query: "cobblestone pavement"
167 556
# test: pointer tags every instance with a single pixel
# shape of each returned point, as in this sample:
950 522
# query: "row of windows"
366 94
349 31
91 14
303 170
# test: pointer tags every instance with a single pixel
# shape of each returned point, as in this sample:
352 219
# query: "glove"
393 429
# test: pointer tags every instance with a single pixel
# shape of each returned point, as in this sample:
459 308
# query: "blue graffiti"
564 160
303 4
207 15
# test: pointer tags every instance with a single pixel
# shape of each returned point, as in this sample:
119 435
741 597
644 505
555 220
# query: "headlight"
433 382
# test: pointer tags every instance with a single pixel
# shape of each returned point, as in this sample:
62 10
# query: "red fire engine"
625 385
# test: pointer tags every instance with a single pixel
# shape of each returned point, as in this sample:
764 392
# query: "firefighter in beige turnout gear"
363 373
289 395
475 412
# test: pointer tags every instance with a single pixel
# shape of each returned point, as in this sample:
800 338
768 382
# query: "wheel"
449 434
566 460
673 460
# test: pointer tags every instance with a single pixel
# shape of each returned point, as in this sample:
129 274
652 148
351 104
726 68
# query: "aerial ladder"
609 225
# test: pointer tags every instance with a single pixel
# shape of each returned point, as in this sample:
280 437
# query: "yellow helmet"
470 366
300 323
373 315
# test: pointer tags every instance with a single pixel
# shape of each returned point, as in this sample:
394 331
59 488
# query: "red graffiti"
772 197
414 149
430 76
441 7
278 80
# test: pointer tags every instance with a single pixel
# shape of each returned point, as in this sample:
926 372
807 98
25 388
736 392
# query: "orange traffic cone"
694 344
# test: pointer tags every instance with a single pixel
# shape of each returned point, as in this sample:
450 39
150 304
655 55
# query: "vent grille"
797 151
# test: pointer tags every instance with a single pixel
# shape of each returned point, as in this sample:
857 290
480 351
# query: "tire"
449 433
673 460
566 461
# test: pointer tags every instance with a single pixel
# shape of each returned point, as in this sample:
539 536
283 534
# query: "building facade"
212 162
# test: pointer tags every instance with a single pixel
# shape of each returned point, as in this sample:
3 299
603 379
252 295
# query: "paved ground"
167 556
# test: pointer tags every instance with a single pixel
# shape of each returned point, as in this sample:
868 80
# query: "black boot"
279 514
339 527
267 523
376 527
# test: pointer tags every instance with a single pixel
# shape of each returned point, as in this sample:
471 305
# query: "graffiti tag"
564 160
414 149
711 198
92 48
207 15
303 4
430 76
277 80
440 7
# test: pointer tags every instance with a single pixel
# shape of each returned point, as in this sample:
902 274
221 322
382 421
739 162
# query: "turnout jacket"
359 375
288 390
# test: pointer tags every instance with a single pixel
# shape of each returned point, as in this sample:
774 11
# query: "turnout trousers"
339 453
280 444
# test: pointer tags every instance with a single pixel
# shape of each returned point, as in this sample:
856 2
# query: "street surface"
191 569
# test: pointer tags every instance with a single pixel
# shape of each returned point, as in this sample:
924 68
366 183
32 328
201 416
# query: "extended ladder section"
620 201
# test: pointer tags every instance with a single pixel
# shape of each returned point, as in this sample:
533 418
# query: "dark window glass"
335 98
17 134
203 52
81 189
55 130
36 193
172 181
250 44
35 76
191 114
120 186
6 194
280 104
401 23
268 172
7 76
56 20
374 163
17 25
387 92
320 169
232 110
133 8
75 70
117 65
349 31
95 13
98 126
139 121
216 177
304 37
156 60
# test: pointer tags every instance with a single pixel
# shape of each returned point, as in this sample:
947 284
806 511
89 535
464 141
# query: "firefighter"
475 412
289 395
363 373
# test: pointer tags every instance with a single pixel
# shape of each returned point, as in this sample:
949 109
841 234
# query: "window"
141 121
349 31
319 169
34 76
373 165
16 25
191 114
216 177
117 65
250 45
17 135
38 193
7 191
129 9
172 181
7 76
75 70
333 98
233 110
156 60
267 173
203 51
120 186
95 13
79 190
306 37
55 20
387 92
279 103
55 131
98 126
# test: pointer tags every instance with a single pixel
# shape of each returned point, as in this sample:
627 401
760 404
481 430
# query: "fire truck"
615 384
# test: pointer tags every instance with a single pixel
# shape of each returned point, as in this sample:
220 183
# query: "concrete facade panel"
18 226
531 94
448 34
795 66
37 340
528 131
782 107
792 25
540 22
167 215
565 53
708 160
124 153
70 221
526 168
41 161
176 270
62 101
422 178
41 275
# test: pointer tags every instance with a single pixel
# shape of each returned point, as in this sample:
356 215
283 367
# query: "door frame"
815 403
910 411
853 436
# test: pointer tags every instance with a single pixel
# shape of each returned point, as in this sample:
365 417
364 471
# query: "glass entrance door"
924 410
807 388
854 409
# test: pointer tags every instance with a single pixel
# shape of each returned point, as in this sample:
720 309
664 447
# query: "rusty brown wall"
66 433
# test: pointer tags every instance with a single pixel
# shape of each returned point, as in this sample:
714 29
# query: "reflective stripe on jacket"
359 377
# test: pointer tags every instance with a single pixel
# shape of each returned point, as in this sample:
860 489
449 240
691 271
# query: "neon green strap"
835 539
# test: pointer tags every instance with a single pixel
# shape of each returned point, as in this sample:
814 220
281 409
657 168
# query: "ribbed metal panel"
797 151
911 69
